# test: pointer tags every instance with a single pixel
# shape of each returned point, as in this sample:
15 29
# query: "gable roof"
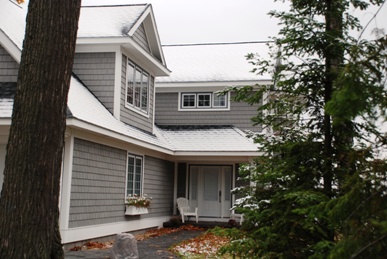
212 62
84 109
117 24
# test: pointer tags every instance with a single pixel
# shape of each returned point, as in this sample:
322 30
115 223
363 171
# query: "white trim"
135 156
117 85
175 187
95 231
67 172
79 124
10 47
201 109
209 86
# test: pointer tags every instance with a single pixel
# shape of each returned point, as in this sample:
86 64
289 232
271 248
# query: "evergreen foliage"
319 189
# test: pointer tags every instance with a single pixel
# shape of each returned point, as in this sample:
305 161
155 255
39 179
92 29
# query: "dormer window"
203 101
137 91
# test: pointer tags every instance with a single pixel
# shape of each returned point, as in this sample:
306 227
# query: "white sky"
206 21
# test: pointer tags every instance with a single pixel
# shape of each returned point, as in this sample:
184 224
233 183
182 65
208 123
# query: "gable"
141 38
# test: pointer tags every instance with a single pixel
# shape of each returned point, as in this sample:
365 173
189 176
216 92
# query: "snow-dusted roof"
108 21
212 62
207 139
86 111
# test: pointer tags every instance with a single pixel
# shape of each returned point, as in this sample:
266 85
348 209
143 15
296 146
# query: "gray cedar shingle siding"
129 116
158 184
8 67
96 70
98 184
239 115
140 37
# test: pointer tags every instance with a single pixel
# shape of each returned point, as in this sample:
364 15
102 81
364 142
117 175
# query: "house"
128 130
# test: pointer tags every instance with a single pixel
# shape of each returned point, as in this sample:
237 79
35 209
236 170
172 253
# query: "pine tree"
319 190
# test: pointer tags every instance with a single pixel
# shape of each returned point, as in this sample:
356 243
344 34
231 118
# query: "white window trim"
130 106
142 173
198 109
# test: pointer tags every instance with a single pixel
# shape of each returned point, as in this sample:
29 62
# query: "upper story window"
137 90
203 101
134 175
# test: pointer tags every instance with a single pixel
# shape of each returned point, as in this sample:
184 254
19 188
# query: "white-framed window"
219 100
189 100
204 101
134 175
137 88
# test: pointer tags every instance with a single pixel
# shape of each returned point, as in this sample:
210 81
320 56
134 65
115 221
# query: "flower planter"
133 210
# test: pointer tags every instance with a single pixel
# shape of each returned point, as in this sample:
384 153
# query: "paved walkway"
151 248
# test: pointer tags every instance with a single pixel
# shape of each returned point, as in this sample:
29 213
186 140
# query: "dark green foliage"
319 189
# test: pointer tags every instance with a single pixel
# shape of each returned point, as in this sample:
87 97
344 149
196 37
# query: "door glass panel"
210 185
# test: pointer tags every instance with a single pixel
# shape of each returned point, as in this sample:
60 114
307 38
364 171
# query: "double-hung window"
134 175
137 91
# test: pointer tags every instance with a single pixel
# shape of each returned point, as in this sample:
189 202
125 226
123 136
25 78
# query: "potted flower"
136 205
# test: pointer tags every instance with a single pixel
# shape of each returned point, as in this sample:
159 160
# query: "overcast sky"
208 21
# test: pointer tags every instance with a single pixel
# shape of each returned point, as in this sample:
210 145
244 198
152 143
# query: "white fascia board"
92 48
190 86
141 54
5 122
148 19
218 153
10 46
78 124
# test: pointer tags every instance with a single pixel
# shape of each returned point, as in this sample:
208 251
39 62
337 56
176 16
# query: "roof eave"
167 86
79 124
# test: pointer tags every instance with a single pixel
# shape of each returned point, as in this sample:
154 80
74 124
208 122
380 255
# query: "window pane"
204 100
219 100
130 82
188 100
130 183
137 88
144 93
137 185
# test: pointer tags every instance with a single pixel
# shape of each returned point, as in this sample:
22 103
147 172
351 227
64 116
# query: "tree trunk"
29 211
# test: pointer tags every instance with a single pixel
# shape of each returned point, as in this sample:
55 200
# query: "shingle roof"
108 21
207 138
85 107
212 62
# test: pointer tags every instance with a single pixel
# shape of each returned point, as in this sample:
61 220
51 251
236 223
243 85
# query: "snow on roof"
84 106
207 138
94 21
108 21
212 62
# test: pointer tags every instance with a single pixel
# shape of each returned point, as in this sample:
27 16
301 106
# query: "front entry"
210 189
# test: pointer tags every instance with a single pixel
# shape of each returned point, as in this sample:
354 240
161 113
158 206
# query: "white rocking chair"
186 210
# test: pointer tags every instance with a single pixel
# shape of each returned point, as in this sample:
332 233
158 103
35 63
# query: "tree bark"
29 210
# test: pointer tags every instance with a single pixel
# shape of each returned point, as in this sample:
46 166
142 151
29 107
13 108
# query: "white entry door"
211 186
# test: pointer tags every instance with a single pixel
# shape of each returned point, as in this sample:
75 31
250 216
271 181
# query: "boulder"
125 247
